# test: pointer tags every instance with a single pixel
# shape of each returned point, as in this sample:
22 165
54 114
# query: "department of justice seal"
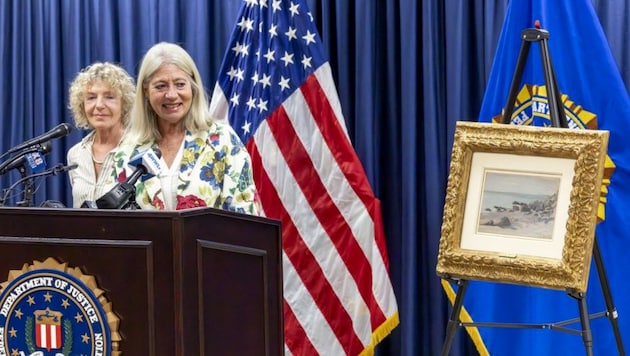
50 309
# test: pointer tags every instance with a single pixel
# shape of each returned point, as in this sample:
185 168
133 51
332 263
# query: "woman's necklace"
97 161
103 146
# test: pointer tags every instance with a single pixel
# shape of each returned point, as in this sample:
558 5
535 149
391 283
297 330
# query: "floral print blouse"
215 171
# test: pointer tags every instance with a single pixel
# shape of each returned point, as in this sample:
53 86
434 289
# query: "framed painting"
521 204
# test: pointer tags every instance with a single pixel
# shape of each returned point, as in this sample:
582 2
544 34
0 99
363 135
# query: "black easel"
558 119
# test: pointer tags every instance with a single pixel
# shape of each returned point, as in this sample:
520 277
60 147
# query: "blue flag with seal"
593 96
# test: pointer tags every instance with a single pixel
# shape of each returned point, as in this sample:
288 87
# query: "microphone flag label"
36 161
149 160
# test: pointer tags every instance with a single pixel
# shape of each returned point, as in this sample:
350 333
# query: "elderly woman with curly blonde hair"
100 99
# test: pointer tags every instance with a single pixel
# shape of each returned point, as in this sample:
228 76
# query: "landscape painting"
521 205
518 204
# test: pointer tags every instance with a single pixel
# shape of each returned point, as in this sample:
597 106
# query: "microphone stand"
28 192
29 185
131 204
28 188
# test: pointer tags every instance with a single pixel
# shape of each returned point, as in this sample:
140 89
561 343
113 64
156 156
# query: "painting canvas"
518 204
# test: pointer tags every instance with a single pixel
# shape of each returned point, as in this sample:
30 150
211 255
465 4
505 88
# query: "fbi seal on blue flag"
50 309
532 108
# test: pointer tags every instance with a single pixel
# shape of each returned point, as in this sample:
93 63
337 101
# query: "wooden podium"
194 282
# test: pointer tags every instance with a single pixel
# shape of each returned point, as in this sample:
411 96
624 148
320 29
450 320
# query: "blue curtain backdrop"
406 71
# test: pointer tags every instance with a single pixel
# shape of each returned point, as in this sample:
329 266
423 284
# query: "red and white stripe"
48 336
337 291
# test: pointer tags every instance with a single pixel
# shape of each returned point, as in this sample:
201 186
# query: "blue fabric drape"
405 70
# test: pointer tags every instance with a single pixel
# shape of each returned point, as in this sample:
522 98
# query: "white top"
169 179
83 180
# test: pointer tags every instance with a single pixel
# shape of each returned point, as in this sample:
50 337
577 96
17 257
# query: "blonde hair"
118 80
144 120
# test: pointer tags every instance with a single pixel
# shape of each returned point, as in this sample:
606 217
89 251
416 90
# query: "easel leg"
453 322
610 306
587 334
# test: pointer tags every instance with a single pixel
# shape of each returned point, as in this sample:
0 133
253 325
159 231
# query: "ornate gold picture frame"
521 205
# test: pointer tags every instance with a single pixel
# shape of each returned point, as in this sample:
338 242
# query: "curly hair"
115 76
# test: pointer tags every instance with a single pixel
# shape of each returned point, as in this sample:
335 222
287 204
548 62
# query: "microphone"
60 168
32 155
60 130
52 204
122 196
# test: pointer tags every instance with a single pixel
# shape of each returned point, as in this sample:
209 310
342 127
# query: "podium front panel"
197 282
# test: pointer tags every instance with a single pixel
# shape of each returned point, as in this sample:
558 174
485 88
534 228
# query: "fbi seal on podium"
49 309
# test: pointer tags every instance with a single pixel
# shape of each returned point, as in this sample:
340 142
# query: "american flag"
275 87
